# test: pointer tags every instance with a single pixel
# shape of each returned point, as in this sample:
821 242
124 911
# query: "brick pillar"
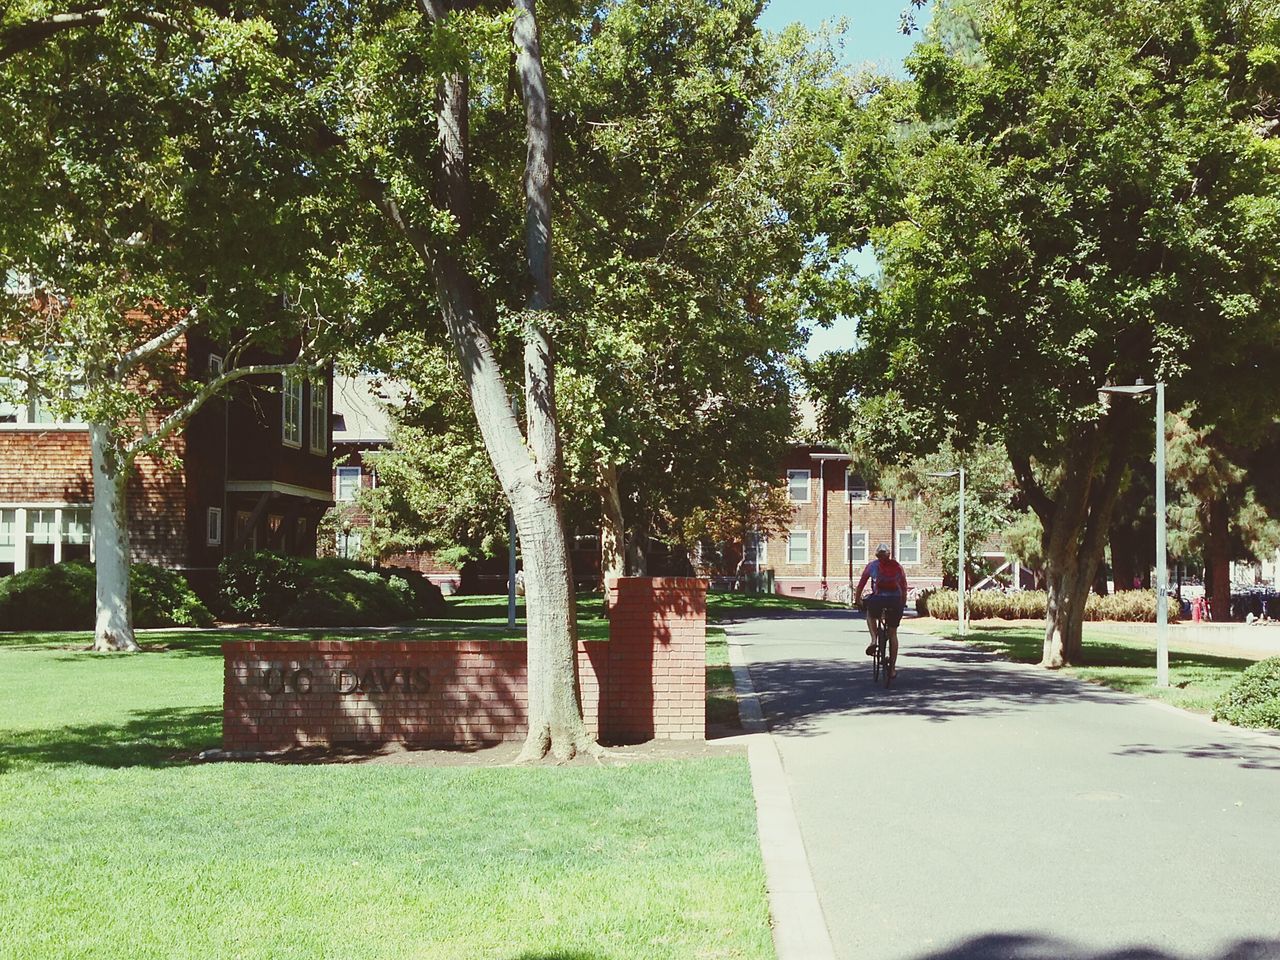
657 661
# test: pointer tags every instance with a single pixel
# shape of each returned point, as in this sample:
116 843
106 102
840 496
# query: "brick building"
836 526
250 470
362 425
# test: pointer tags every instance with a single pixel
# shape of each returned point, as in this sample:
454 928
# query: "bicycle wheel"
886 667
877 655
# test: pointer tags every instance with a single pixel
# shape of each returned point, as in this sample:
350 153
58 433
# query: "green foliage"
59 597
163 598
62 597
1127 605
1254 699
268 587
259 586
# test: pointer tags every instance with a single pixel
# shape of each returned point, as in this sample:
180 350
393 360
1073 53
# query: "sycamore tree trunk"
1076 522
613 538
555 706
113 622
1217 555
527 463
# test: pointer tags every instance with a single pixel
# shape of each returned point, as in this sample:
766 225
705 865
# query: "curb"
799 927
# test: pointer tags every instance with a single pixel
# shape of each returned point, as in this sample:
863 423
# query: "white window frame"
291 403
318 442
761 545
849 558
792 536
898 552
348 471
213 527
859 494
216 366
792 477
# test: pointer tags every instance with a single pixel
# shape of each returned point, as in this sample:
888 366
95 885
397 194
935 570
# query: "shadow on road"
1262 756
1005 946
937 681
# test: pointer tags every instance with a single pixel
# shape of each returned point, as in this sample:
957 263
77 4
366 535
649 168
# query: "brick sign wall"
646 682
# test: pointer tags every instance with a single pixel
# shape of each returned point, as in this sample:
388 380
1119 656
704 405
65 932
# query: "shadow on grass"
560 955
1017 946
1027 646
153 738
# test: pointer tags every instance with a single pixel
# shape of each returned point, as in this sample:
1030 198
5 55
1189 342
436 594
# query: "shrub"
163 598
325 592
1130 605
1254 699
259 586
62 597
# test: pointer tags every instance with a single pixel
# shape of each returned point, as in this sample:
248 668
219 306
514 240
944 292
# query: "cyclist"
888 593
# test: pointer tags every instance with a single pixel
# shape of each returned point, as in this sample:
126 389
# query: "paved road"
982 809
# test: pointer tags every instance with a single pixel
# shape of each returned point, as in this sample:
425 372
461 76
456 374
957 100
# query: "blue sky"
873 36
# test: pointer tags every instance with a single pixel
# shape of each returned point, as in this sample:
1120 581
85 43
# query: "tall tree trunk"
638 550
1217 555
613 538
1123 555
1076 522
555 707
113 622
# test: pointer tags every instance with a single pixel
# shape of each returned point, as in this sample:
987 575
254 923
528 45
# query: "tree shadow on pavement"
1259 756
938 682
1006 946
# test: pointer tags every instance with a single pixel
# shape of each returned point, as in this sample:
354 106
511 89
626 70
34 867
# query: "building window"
299 532
798 485
292 400
245 537
798 546
319 441
76 530
8 542
908 546
215 366
213 526
856 488
755 549
855 546
348 482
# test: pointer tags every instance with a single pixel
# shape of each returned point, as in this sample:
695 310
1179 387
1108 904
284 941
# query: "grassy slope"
1196 680
115 846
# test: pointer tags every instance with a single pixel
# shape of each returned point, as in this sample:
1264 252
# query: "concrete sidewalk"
986 809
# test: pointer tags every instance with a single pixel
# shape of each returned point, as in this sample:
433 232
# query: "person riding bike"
888 593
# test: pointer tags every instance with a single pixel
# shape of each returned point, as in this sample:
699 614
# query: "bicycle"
880 666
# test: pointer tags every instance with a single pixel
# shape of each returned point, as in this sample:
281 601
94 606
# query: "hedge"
1127 605
267 587
1254 699
63 597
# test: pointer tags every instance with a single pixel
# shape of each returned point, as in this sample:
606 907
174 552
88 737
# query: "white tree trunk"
113 624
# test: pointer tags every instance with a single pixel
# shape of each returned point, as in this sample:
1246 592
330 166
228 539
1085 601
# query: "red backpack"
890 574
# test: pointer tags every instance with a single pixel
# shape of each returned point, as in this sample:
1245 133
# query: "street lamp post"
961 579
1162 572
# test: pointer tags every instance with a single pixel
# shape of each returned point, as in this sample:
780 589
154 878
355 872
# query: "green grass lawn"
1196 680
116 846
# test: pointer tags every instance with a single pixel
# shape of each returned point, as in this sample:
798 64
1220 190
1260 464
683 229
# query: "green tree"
1094 200
134 213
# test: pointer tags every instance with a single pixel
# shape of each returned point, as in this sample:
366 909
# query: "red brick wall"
647 682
